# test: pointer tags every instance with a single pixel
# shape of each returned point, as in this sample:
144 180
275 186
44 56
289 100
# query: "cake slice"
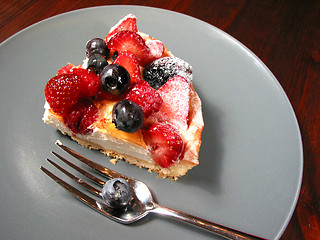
132 99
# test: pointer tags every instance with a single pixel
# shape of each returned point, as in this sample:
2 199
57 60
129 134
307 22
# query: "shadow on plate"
207 173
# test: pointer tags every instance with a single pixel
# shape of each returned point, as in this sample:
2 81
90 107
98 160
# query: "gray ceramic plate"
251 158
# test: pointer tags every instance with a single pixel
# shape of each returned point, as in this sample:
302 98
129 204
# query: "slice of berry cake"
132 99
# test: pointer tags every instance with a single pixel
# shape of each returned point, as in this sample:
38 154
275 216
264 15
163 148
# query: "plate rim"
240 44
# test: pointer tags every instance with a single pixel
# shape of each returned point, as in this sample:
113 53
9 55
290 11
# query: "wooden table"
285 35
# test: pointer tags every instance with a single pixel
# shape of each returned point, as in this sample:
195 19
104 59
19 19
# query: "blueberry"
96 63
127 116
97 46
162 69
117 193
115 79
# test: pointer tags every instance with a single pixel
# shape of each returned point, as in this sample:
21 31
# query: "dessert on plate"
132 99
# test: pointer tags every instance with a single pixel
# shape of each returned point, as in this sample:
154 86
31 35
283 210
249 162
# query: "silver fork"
142 203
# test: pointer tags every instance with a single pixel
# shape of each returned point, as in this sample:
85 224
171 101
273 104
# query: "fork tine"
100 207
92 164
78 180
83 172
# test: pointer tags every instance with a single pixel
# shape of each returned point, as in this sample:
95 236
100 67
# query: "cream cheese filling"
100 138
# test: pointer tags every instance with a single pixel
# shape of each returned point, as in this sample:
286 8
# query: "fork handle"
213 227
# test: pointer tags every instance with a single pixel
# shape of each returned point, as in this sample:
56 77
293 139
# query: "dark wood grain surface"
284 34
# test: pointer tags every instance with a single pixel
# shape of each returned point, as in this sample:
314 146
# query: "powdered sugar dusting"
121 21
130 15
175 95
161 70
156 48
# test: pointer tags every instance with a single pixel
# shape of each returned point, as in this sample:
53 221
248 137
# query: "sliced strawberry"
146 97
81 116
132 42
175 108
129 22
164 143
66 69
130 63
62 92
156 49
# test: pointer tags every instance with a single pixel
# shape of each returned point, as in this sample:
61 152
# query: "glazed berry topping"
103 95
115 79
127 23
164 143
117 193
146 97
89 81
127 116
97 46
96 63
161 70
62 92
130 63
132 42
81 116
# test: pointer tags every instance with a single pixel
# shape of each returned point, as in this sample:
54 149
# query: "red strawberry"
175 108
66 69
81 116
62 92
130 63
132 42
89 81
146 97
156 49
129 22
164 143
